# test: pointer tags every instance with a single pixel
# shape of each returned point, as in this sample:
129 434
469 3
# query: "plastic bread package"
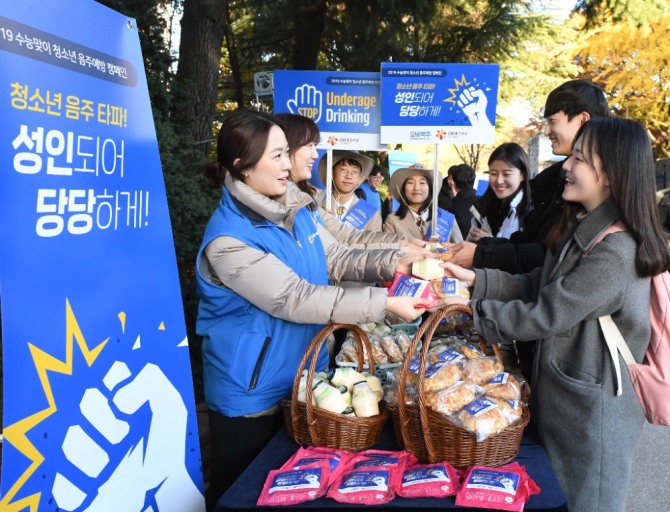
481 370
441 375
483 417
452 399
504 386
405 285
444 353
428 269
504 488
439 251
393 351
450 287
437 480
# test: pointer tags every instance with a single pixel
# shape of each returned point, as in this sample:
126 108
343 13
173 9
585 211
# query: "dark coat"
460 207
525 249
589 432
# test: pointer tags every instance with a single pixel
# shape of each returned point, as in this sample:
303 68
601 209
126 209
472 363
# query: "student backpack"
651 378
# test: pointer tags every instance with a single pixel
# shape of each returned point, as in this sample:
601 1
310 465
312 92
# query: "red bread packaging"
405 285
370 477
293 486
337 459
505 488
437 480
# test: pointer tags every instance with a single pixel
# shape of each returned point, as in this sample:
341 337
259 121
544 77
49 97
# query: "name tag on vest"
359 214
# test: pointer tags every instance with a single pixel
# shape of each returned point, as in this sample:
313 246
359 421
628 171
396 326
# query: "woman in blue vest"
262 277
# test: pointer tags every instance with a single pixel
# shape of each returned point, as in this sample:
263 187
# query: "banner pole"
329 180
436 192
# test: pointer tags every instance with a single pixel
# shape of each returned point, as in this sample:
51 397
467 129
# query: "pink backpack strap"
614 228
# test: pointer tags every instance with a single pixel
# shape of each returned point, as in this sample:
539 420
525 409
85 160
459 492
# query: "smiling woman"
262 275
507 201
270 175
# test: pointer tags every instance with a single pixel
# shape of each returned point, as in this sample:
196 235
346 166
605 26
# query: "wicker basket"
310 425
431 436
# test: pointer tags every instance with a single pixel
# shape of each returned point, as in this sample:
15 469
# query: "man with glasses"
350 170
370 187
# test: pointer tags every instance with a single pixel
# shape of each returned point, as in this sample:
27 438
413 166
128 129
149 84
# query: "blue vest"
372 196
250 358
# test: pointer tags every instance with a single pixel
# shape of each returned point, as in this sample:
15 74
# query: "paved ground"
650 482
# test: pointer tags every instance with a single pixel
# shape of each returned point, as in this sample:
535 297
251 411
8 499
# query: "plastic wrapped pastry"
403 340
391 348
483 417
503 386
450 287
454 398
510 409
441 375
481 370
378 353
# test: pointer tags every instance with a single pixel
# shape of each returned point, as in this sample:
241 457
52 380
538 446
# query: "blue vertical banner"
438 103
345 105
98 400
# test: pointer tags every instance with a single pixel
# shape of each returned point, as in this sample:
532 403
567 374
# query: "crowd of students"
275 248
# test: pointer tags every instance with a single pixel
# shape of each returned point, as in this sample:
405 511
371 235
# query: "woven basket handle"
431 325
312 353
402 411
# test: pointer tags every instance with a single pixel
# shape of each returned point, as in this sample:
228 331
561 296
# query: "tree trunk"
309 21
202 29
233 56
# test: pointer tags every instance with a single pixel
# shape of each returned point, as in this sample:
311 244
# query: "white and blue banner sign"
345 105
438 103
98 399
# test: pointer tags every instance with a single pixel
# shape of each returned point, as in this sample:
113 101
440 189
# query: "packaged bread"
471 351
454 398
481 370
391 348
378 354
427 269
450 287
403 340
441 375
483 417
510 409
440 252
411 286
443 353
457 322
503 386
348 352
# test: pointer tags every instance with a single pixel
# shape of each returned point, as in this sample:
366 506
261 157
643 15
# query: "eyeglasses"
348 171
377 177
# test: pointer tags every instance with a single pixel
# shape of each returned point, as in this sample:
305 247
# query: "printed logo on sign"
99 442
472 100
307 101
420 135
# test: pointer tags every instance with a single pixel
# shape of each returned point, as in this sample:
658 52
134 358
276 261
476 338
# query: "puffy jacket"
262 277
